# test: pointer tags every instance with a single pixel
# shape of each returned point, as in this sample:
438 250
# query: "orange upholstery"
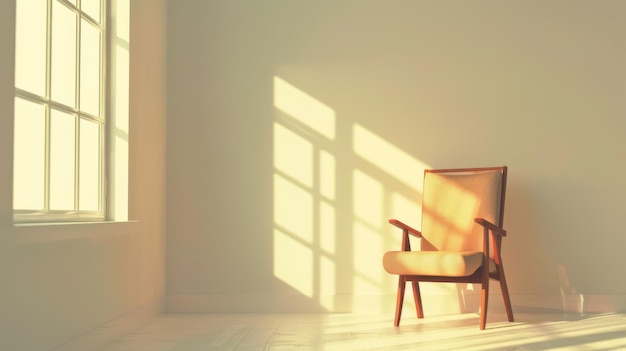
450 204
435 263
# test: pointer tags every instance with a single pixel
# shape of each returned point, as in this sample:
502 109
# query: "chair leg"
399 300
505 295
483 305
484 298
418 299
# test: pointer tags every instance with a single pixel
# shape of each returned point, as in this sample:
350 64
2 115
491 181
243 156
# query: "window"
60 128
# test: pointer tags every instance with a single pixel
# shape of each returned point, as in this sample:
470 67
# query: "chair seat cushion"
433 263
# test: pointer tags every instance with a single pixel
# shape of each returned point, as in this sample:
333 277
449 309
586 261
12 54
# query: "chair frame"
481 276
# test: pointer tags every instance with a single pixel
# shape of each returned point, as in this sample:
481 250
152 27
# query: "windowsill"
71 223
34 233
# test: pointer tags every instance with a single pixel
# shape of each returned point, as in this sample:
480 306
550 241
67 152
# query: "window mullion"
47 109
107 88
77 163
47 161
78 116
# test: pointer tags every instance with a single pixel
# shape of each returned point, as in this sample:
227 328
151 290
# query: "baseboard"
98 338
385 303
242 303
572 304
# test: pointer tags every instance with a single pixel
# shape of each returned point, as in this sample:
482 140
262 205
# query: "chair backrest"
453 198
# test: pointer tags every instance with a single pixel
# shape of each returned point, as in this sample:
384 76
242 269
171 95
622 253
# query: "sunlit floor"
345 332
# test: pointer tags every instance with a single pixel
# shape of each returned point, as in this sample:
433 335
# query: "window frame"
48 215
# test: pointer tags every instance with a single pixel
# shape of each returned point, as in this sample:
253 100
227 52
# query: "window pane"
90 69
63 60
29 155
30 46
92 8
89 181
62 160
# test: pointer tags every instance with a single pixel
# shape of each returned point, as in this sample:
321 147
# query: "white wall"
536 85
73 287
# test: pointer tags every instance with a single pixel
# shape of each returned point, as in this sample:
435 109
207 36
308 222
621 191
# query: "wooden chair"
461 235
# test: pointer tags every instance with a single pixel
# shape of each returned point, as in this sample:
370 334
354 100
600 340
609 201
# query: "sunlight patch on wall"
293 209
293 262
368 202
328 269
304 194
306 216
388 157
327 174
304 108
367 256
327 225
293 155
403 207
368 199
374 203
407 210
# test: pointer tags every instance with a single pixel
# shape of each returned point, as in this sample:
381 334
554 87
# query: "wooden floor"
345 332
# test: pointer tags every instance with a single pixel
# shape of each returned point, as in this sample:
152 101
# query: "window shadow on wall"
336 182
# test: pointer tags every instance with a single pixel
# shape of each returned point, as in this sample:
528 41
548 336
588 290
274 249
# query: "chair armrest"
406 228
494 228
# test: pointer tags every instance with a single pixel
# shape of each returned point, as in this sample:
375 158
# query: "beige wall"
61 282
257 217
